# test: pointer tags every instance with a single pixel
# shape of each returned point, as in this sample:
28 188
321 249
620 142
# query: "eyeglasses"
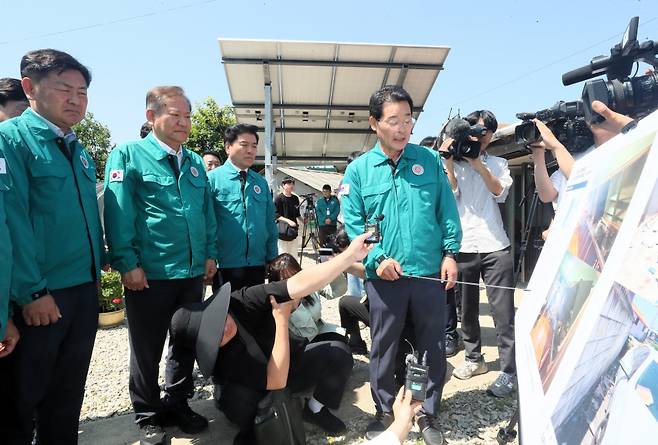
397 123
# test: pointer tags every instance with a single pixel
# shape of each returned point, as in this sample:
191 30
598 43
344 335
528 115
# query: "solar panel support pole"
269 133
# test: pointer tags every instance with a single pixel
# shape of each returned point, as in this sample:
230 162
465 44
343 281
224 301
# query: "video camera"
566 121
464 146
308 198
633 96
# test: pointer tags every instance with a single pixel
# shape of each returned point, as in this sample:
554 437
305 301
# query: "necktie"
173 162
64 148
243 180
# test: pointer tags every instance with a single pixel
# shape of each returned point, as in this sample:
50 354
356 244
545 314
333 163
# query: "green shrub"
111 295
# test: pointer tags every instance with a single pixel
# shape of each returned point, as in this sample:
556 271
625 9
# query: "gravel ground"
468 416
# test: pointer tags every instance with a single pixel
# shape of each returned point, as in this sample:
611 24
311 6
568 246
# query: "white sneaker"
470 368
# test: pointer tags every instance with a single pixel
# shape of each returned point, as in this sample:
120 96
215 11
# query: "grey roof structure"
320 90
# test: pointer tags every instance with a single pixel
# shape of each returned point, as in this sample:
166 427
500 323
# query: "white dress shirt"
171 151
482 225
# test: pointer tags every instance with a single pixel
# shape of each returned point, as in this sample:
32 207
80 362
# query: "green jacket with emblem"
52 209
420 214
5 245
327 209
153 220
247 234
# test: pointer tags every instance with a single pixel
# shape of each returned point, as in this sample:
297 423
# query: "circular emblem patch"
417 169
194 171
85 162
257 189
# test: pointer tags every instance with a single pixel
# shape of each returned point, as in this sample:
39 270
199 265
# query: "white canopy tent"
310 99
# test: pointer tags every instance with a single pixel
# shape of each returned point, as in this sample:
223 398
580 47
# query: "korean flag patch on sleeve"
116 176
344 189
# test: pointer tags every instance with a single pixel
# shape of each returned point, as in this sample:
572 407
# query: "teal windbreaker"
52 209
247 233
420 214
153 220
324 210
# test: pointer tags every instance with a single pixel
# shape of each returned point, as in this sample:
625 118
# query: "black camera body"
375 229
565 119
417 376
633 96
462 131
310 202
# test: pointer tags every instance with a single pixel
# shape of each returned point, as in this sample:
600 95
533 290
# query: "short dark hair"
428 141
231 134
147 127
326 187
11 90
352 156
489 119
212 153
287 180
40 63
389 93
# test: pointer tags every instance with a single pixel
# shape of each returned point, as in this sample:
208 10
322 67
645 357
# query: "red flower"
116 301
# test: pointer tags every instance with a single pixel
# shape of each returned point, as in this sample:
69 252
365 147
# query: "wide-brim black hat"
201 326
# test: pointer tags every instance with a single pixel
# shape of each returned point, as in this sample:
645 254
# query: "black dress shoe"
325 420
376 427
452 344
152 434
430 429
182 416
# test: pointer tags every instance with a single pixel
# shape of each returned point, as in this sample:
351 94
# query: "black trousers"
47 372
324 232
452 296
390 303
495 268
324 365
240 277
352 311
149 313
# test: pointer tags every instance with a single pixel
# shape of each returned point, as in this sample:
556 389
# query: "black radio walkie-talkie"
417 376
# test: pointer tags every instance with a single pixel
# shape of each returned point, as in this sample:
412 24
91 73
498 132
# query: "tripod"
310 231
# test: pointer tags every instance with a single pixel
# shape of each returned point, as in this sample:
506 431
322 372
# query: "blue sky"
506 56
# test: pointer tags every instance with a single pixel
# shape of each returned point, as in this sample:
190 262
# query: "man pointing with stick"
420 234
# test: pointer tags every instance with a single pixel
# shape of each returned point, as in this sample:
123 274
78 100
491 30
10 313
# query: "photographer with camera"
419 237
479 185
551 188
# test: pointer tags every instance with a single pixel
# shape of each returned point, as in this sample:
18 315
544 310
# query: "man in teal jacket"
8 332
161 233
52 215
420 234
247 236
326 211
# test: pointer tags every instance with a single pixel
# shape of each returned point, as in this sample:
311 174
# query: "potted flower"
111 308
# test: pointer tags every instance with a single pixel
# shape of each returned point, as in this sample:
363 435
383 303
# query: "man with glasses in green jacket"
420 234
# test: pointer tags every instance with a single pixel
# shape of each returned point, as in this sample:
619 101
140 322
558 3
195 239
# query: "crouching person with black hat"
241 339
